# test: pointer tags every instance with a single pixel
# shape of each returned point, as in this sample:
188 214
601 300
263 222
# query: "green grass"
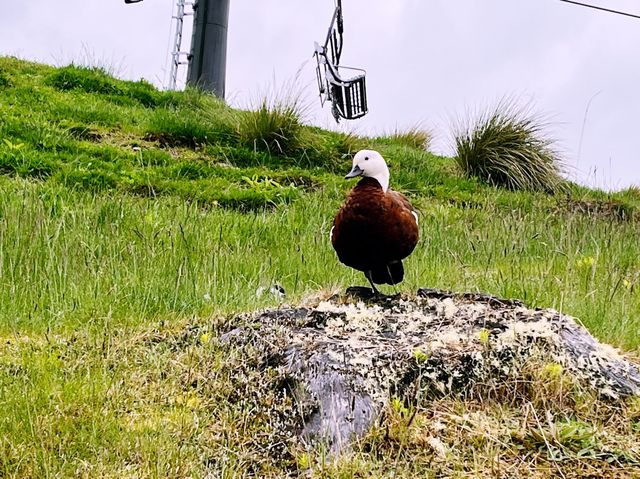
88 131
131 231
83 255
5 82
180 128
99 81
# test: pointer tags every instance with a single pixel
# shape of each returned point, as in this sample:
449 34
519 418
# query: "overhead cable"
595 7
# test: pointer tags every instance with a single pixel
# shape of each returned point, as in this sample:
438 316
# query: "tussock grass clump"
413 137
275 134
508 147
275 125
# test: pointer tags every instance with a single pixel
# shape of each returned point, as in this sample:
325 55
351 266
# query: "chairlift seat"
349 96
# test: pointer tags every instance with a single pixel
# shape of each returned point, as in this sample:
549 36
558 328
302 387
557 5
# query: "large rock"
344 358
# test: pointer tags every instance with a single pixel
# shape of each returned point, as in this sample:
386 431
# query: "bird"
376 228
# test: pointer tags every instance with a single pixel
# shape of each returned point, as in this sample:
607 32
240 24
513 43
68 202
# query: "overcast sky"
427 61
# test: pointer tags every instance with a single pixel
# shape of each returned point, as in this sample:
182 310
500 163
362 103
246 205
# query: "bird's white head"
370 163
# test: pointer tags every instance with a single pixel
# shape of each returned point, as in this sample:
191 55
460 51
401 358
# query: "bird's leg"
373 286
395 288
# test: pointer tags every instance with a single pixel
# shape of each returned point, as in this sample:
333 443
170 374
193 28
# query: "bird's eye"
366 158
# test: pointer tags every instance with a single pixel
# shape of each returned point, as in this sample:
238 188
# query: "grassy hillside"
134 223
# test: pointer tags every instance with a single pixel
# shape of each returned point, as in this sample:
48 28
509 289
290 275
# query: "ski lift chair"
348 95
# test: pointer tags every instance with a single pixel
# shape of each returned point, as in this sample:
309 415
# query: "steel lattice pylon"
176 53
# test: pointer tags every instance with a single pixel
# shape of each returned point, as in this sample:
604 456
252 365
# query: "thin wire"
595 7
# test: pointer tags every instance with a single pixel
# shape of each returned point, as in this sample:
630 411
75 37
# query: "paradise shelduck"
376 228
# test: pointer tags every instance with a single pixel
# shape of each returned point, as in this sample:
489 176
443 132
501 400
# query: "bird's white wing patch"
415 215
331 234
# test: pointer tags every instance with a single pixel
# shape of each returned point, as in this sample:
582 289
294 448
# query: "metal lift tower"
207 59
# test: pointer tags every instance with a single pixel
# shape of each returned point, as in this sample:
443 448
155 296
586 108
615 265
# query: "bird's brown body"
374 231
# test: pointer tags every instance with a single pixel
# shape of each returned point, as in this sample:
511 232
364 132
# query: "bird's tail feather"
391 273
